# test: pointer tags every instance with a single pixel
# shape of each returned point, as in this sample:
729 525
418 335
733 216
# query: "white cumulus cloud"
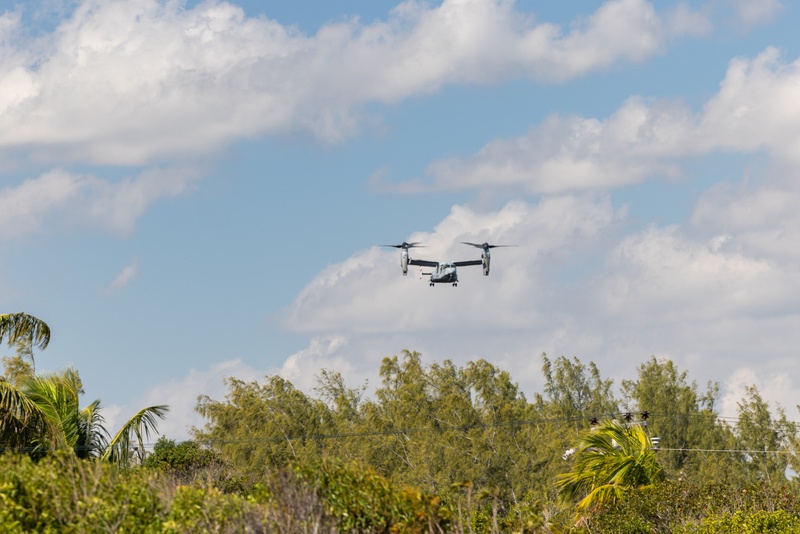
755 109
135 82
58 198
125 277
750 13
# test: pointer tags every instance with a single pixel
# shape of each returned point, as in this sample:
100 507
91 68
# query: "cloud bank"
755 109
85 201
132 83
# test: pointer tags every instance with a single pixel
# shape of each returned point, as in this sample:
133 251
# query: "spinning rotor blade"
485 246
406 246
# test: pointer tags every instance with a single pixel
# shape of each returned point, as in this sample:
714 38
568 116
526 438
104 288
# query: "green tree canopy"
758 430
468 434
264 426
679 414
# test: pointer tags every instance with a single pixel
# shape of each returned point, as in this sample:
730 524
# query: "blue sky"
193 190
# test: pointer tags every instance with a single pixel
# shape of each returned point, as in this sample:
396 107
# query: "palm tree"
610 460
43 413
23 326
21 419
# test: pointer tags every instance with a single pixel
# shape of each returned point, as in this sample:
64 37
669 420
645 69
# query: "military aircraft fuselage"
445 273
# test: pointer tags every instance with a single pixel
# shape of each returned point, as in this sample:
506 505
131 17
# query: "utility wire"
732 451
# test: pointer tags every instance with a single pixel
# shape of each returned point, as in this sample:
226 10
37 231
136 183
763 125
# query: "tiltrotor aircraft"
445 272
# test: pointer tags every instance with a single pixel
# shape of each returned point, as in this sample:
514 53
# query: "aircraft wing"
467 263
423 263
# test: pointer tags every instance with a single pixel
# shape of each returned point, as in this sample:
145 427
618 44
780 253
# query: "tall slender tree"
758 430
679 413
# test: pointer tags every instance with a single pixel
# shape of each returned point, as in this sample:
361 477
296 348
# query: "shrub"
680 506
759 522
360 500
197 509
62 493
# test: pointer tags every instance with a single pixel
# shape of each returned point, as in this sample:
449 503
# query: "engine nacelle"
486 257
404 261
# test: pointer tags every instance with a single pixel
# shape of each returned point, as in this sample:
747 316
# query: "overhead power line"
735 451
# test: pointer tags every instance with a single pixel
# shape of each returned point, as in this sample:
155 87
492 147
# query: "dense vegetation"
437 448
493 457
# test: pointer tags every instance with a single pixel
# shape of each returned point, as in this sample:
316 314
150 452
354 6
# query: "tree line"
436 424
457 430
434 448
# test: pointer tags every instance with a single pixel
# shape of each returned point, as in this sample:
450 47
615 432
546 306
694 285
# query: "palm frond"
14 402
139 426
93 434
56 395
15 326
605 494
22 423
610 460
